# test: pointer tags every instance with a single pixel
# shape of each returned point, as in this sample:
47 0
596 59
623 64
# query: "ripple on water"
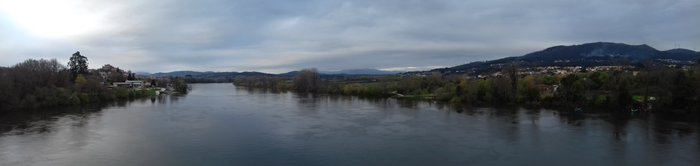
218 124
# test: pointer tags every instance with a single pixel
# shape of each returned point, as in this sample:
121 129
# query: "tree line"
653 87
47 83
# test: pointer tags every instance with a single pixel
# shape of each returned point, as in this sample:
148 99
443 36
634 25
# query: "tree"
80 81
512 72
117 76
571 89
31 74
483 92
130 75
8 96
506 88
528 91
180 85
624 98
652 72
502 90
682 90
308 81
78 64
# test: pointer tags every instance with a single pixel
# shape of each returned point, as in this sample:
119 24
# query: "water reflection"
219 124
40 121
18 122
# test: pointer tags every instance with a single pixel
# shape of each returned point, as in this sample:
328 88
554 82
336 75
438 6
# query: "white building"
130 84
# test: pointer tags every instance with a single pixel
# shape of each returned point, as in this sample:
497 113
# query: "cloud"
277 36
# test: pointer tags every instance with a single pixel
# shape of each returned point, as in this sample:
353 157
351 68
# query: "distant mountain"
345 73
590 54
143 73
177 74
208 74
679 54
359 72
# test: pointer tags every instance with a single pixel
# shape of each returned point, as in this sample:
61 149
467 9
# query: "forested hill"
208 74
228 75
590 54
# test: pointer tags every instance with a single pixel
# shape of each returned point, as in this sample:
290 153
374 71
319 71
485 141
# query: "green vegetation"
46 83
180 86
653 88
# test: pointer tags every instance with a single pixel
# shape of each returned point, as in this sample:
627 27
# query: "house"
130 84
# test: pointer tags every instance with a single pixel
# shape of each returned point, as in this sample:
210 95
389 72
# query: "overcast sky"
278 36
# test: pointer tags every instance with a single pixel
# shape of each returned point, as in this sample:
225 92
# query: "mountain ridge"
365 71
588 54
211 74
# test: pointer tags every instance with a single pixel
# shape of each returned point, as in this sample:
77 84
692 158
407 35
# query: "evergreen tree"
130 75
78 64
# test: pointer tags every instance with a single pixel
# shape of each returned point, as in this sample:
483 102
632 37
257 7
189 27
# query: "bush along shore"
653 88
46 83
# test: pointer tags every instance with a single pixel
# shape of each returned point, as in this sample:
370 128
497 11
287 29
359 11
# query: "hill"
359 72
590 54
208 74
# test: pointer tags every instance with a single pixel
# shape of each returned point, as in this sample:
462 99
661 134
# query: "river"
220 124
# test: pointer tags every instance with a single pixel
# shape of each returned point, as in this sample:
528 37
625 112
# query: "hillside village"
114 77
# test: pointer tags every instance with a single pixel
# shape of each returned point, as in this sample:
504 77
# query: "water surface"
219 124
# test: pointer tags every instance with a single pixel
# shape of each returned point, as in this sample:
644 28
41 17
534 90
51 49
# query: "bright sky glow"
52 19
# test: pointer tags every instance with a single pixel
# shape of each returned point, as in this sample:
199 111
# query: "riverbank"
615 91
34 84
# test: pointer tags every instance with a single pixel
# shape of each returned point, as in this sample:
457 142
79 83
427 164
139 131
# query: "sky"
282 35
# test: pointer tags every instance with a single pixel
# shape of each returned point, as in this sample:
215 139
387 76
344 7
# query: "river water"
219 124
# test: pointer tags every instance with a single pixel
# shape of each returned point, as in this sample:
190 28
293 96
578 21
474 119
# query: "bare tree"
308 80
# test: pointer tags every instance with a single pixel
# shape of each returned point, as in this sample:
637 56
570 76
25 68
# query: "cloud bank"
281 35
